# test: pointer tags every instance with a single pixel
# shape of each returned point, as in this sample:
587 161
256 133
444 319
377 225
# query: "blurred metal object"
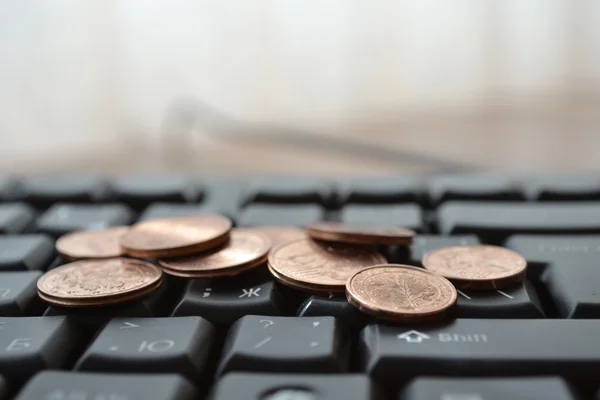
184 116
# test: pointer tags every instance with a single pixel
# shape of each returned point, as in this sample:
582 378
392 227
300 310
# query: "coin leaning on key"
100 282
320 267
177 236
479 267
401 293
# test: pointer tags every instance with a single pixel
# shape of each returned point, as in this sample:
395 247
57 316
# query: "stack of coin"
195 246
338 258
319 267
360 234
173 237
331 254
245 250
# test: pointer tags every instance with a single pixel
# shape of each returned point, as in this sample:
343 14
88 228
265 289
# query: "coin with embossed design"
478 267
246 249
401 293
101 243
322 267
282 234
177 236
98 282
360 234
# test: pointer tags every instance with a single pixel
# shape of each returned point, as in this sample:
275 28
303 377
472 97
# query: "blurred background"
124 86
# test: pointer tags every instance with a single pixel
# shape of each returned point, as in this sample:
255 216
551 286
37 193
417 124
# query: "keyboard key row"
563 268
59 385
461 348
572 293
138 191
490 221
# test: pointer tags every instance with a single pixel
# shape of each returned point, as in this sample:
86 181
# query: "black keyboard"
248 337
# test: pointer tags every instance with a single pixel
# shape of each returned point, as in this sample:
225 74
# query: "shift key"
471 347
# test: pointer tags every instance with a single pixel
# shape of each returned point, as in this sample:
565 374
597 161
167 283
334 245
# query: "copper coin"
477 267
282 234
246 249
178 236
401 293
357 234
98 282
102 243
326 267
313 289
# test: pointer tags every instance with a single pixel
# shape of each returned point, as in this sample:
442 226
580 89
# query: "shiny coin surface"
102 243
401 293
282 234
178 236
357 234
477 267
322 267
246 249
98 282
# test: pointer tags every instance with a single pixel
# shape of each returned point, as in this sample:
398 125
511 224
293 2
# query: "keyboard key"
63 385
564 187
334 306
519 301
18 293
498 220
9 189
169 210
288 191
65 218
542 249
3 389
473 187
515 388
23 252
404 215
285 344
157 304
381 190
180 345
287 215
45 191
141 190
15 217
574 286
488 347
252 386
224 196
425 243
224 301
30 344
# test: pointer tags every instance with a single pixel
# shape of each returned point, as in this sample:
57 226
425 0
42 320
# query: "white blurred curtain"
78 73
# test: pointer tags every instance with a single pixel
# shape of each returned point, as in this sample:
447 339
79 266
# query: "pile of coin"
341 258
113 265
125 263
